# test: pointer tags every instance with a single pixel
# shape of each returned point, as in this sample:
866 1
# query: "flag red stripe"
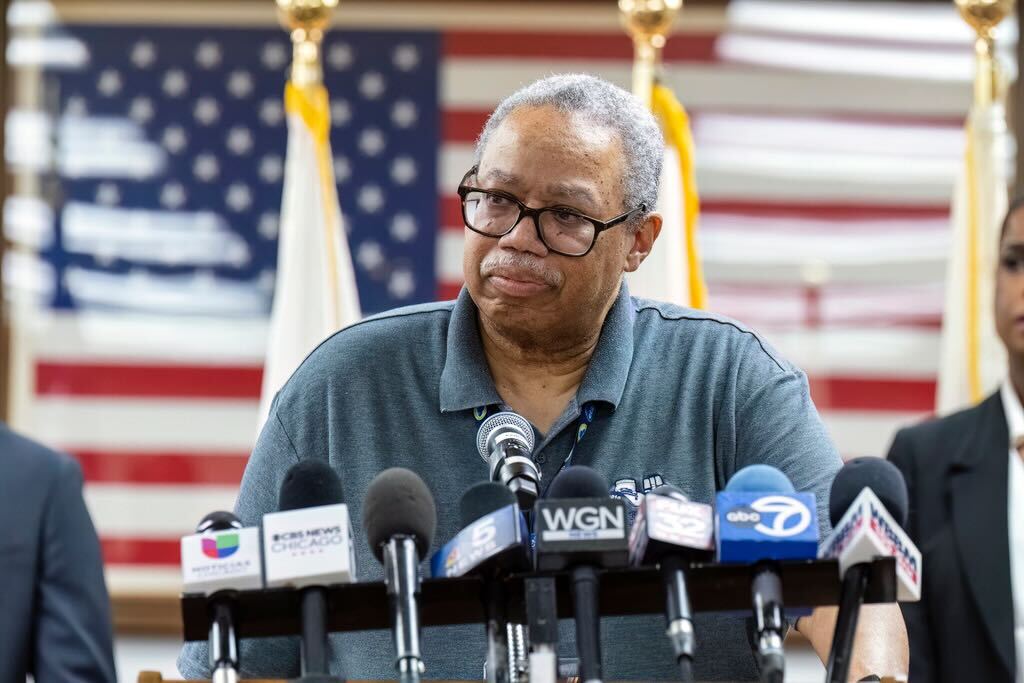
695 47
873 394
141 550
55 378
109 467
451 211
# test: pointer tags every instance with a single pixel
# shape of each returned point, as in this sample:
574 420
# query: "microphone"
760 520
491 545
505 442
308 545
221 557
400 517
673 532
868 508
581 528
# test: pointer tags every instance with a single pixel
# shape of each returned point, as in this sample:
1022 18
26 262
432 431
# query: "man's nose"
525 236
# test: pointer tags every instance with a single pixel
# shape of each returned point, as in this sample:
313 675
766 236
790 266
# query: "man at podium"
557 207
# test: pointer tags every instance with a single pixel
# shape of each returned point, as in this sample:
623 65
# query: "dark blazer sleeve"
73 636
915 614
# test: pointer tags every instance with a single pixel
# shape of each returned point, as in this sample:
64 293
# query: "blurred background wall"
145 150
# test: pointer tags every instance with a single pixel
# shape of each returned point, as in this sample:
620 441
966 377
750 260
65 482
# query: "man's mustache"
522 263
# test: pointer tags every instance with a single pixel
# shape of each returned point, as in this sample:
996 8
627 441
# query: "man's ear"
643 241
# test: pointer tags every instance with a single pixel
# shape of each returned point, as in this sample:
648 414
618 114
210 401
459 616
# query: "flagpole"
984 16
306 20
648 23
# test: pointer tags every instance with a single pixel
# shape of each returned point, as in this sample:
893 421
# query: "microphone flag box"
753 526
221 560
309 547
580 530
868 531
666 521
482 541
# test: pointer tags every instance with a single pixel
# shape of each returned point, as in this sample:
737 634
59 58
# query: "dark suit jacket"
54 610
956 472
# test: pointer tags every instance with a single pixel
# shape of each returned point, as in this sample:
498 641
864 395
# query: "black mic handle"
588 622
855 585
678 615
766 591
313 652
497 631
223 643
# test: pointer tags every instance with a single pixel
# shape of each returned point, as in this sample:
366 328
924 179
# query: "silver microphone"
505 442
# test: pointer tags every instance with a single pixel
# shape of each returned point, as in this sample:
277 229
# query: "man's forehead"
1015 227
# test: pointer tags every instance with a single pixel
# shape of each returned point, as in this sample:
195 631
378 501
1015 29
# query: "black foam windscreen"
309 483
398 503
578 481
219 520
483 499
879 475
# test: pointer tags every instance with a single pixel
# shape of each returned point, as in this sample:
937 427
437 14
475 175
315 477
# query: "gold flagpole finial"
648 23
983 16
306 20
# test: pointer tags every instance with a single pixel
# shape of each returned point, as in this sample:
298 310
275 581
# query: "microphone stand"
855 584
401 571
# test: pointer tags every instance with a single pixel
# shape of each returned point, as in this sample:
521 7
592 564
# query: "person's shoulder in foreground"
55 623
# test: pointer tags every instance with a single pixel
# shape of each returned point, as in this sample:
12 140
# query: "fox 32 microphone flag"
315 293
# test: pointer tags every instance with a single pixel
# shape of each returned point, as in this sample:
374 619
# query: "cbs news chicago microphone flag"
315 292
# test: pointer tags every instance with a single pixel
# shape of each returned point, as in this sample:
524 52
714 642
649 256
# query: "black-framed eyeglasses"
494 213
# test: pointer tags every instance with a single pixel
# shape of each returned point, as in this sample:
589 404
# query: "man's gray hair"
602 104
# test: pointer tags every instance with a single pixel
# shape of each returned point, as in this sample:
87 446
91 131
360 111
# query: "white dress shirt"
1015 509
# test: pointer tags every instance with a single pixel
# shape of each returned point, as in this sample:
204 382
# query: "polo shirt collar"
466 379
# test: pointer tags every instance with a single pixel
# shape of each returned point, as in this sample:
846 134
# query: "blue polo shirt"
678 396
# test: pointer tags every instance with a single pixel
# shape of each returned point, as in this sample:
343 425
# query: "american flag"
825 177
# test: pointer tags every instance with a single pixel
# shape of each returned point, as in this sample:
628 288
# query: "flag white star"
174 139
271 168
267 280
238 197
206 167
143 54
371 142
369 255
141 110
237 254
370 198
405 57
401 283
175 83
206 110
172 195
271 112
240 84
403 227
108 194
208 54
109 82
76 106
372 85
273 55
404 114
341 112
339 56
239 140
342 169
268 225
403 170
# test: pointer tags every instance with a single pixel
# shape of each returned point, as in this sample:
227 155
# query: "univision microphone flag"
315 291
672 272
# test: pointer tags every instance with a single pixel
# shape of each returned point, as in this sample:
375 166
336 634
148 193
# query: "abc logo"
743 516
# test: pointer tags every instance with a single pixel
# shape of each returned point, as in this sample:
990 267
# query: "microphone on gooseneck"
673 532
308 545
868 507
505 442
492 544
580 528
759 521
220 558
400 517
